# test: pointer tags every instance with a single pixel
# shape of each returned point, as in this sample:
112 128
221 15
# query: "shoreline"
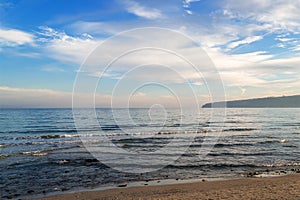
279 187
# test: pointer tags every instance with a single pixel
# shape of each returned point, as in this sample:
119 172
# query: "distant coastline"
267 102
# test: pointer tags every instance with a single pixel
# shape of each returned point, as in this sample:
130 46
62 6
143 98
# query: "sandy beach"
284 187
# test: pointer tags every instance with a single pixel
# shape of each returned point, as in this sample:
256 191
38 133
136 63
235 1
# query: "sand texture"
285 187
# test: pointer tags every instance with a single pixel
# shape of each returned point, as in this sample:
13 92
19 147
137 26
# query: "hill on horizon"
266 102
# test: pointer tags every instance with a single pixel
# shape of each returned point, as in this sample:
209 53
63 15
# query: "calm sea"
41 151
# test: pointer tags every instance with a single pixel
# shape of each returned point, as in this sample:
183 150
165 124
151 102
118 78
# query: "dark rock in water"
203 180
251 174
30 191
122 185
16 195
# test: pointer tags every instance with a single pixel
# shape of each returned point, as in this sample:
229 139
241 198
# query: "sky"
45 45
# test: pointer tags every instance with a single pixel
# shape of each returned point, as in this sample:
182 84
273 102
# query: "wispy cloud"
14 37
186 6
142 11
49 68
247 40
63 47
224 31
283 15
237 70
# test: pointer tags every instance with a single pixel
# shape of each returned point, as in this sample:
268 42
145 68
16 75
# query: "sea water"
43 151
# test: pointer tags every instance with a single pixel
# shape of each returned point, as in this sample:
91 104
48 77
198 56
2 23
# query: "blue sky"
253 44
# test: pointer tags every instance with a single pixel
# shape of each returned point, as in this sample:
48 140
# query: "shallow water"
42 151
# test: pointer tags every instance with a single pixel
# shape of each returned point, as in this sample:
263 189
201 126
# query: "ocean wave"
294 164
57 136
150 140
220 145
110 127
273 141
290 124
221 165
239 129
240 154
174 125
234 122
45 152
240 165
2 156
35 153
290 146
79 162
46 136
43 131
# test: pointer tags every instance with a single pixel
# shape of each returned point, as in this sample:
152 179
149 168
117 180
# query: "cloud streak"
64 47
247 40
142 11
14 37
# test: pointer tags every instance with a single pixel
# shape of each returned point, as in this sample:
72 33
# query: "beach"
283 187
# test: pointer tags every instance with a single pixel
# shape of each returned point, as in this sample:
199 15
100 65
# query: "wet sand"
284 187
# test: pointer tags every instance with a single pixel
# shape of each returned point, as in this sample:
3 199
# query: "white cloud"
141 11
241 79
14 37
186 3
49 68
234 62
290 43
64 47
95 27
247 40
237 70
189 12
190 1
27 54
186 6
281 15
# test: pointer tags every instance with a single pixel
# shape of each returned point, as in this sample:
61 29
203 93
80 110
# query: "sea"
49 151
